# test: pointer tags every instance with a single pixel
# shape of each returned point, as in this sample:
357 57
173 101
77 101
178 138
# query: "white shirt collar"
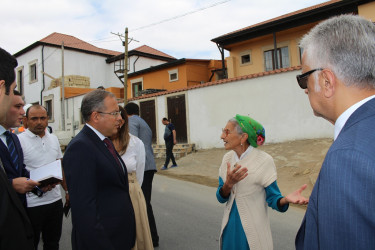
340 122
101 136
2 130
248 150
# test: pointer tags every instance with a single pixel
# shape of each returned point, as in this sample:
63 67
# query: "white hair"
346 45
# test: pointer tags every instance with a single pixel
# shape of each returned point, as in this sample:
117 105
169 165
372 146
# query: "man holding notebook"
41 148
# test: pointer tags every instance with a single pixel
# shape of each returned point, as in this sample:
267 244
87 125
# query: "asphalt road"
188 217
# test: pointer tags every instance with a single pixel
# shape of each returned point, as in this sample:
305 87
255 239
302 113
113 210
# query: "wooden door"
147 112
177 115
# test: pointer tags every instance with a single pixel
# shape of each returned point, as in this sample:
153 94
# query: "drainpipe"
134 63
275 51
43 81
222 61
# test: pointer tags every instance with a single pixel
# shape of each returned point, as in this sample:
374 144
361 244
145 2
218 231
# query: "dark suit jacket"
9 167
340 214
102 213
16 232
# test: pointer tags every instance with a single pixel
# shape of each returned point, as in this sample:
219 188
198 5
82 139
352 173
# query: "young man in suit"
15 228
339 78
16 171
139 128
102 212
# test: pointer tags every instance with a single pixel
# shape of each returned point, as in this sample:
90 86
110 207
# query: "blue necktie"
12 149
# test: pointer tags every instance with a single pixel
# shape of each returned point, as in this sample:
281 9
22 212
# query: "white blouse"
135 157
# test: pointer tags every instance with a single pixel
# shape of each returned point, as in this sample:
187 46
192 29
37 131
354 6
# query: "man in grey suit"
339 78
139 128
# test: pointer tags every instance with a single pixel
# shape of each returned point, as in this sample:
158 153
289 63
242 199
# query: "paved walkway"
297 162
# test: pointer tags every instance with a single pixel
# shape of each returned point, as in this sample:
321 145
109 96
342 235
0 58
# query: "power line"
182 15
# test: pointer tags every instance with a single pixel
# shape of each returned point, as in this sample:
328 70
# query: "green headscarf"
254 130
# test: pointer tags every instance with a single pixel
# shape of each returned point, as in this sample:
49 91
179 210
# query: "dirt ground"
297 162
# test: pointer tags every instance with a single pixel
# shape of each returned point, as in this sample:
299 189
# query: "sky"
180 28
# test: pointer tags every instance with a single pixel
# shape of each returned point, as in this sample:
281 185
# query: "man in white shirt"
339 79
40 148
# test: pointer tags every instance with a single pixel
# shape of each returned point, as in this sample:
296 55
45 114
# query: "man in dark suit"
102 212
15 228
139 128
16 170
339 79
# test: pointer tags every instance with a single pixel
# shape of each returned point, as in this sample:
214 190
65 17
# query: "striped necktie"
12 149
111 149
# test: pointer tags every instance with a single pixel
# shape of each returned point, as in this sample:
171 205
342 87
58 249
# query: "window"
282 61
173 75
20 80
137 86
33 71
245 57
48 104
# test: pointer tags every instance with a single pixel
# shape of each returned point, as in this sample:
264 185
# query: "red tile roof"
73 42
224 81
149 50
284 16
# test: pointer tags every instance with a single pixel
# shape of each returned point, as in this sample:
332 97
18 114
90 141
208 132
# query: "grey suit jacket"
340 214
139 128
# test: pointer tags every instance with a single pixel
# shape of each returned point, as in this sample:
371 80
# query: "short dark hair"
36 106
132 108
7 65
93 101
16 92
165 119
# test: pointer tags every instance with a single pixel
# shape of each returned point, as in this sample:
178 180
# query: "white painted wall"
276 101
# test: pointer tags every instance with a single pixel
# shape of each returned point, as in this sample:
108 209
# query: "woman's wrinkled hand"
234 175
296 197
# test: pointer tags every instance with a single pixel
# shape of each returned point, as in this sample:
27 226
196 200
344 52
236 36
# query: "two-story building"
273 44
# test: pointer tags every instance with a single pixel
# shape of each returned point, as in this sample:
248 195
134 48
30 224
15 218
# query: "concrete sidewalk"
297 162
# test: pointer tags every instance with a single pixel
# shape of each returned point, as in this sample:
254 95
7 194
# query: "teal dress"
233 236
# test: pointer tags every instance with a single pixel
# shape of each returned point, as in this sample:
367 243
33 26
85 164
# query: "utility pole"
126 67
62 88
126 45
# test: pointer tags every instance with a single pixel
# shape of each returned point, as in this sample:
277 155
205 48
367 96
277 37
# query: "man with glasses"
339 79
102 212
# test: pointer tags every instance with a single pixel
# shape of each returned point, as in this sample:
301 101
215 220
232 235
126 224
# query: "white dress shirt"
38 151
135 157
340 122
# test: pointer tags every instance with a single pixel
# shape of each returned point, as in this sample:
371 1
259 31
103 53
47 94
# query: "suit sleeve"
345 201
79 165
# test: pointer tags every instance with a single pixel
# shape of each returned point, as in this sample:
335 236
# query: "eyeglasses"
226 132
115 114
302 79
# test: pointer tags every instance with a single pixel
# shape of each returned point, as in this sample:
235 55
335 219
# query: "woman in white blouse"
132 151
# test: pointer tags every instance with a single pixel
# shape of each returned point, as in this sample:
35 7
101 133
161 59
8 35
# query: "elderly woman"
247 182
132 151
